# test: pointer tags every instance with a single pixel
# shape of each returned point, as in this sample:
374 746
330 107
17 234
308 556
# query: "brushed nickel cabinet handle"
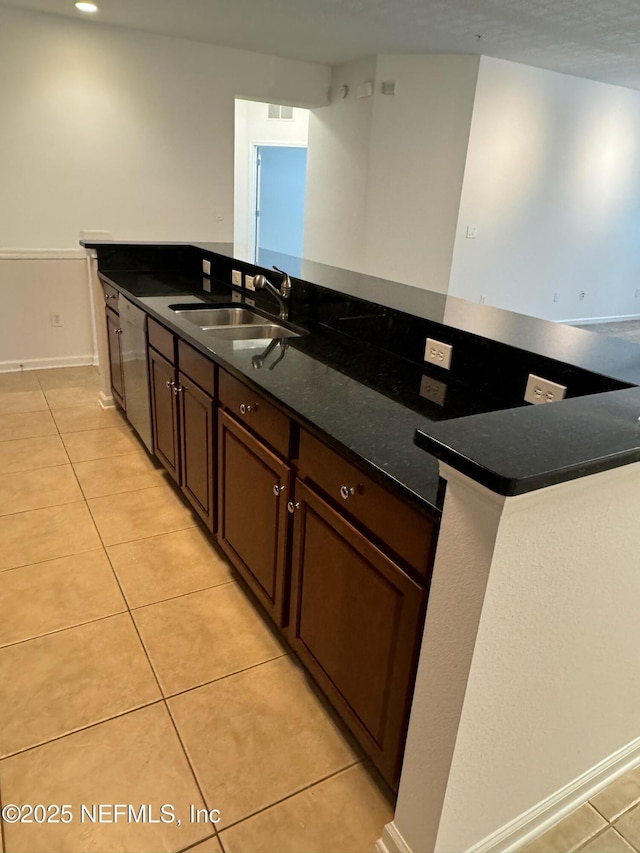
245 408
346 492
292 507
118 331
278 489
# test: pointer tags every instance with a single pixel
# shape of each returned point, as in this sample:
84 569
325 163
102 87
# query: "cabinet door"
164 413
115 357
355 620
197 448
252 513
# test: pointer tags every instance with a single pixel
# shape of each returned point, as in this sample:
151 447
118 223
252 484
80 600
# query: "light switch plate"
236 278
439 353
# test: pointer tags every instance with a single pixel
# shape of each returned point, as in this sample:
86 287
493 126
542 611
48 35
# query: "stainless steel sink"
252 333
208 318
233 322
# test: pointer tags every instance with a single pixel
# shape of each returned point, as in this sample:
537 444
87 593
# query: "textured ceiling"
590 38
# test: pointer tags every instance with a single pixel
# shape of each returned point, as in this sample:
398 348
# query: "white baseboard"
392 841
46 363
106 401
590 321
545 814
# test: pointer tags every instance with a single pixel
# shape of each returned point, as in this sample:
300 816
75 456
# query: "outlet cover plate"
206 267
249 282
438 353
541 390
433 390
236 278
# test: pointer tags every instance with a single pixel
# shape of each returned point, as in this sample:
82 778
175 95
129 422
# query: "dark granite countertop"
368 425
368 402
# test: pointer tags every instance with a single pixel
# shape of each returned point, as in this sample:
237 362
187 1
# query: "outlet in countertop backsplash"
494 351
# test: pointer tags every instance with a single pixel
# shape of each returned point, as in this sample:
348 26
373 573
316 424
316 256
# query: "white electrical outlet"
56 319
435 352
236 277
206 267
206 284
541 390
249 282
433 390
582 294
472 232
236 297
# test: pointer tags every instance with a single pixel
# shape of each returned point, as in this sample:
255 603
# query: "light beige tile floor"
132 667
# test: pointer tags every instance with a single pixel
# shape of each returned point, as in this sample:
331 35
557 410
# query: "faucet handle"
286 281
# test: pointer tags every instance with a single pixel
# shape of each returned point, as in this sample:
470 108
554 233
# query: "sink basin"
207 318
251 333
234 322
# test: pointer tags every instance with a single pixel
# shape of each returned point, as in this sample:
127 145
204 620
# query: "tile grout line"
48 559
295 793
78 730
62 630
228 675
202 841
155 675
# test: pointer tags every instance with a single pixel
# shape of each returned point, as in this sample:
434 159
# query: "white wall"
254 127
118 130
416 166
546 701
385 172
553 183
338 171
33 288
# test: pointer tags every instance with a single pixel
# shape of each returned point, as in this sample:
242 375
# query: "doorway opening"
270 182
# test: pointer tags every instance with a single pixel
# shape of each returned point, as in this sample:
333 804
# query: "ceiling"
599 39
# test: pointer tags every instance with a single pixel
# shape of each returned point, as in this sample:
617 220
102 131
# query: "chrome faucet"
261 282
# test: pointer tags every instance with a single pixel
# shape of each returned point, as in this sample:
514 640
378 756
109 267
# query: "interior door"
280 199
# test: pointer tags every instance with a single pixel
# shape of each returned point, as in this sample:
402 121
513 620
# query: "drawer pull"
292 507
118 331
177 388
246 408
277 489
170 383
346 492
111 296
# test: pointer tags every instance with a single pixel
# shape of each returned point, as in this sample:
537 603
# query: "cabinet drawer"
162 340
406 531
110 296
257 413
197 367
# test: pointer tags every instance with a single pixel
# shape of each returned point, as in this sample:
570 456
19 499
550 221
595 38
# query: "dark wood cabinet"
184 422
114 333
164 413
339 562
197 447
253 486
355 620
